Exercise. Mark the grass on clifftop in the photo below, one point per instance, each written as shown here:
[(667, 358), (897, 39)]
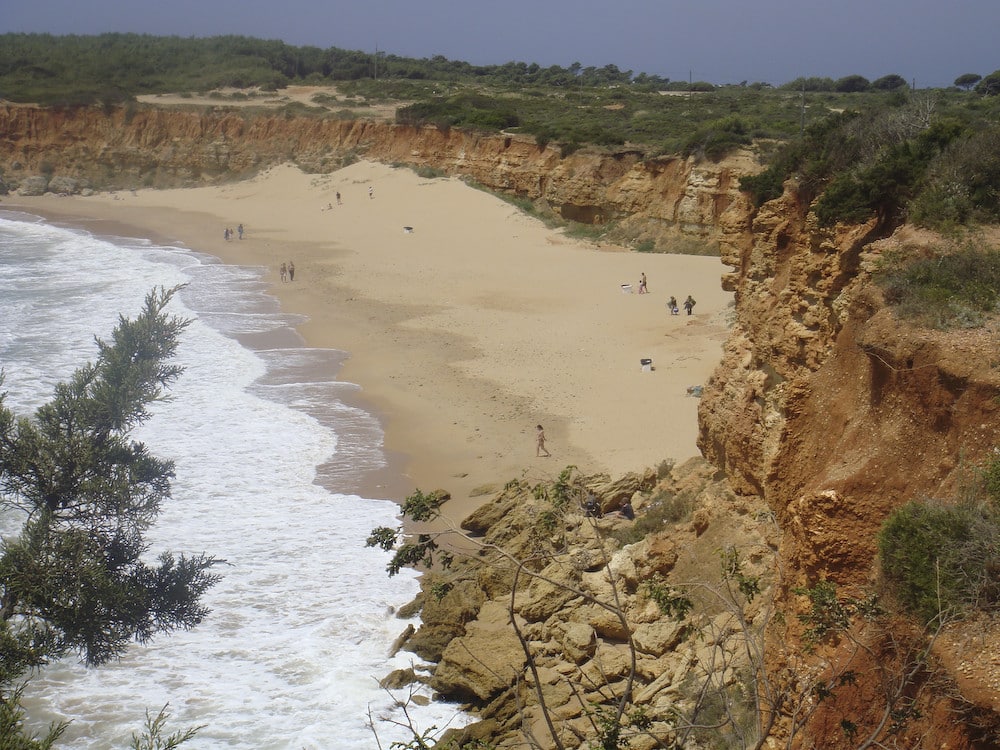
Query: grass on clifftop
[(945, 288)]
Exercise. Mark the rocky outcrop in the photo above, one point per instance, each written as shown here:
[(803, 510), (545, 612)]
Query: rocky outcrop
[(599, 615), (145, 146)]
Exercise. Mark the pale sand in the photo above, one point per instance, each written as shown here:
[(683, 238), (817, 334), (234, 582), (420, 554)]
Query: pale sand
[(466, 332)]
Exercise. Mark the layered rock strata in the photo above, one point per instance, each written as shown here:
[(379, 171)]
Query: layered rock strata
[(152, 147)]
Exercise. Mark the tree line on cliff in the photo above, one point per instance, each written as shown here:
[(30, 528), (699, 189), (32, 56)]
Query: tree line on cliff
[(572, 106), (83, 69), (924, 158)]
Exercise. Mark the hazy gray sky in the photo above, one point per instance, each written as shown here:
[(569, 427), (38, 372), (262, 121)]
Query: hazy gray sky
[(929, 42)]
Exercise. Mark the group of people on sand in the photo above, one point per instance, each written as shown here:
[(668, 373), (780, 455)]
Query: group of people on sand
[(329, 206), (287, 271), (689, 303), (228, 234)]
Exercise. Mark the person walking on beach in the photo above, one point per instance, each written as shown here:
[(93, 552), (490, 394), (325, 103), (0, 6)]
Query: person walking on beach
[(239, 231), (642, 284), (689, 304), (371, 192), (338, 197), (284, 272), (672, 305), (226, 234), (291, 271), (540, 449)]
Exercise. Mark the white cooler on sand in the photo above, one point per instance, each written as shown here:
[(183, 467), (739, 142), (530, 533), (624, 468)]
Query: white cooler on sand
[(647, 365)]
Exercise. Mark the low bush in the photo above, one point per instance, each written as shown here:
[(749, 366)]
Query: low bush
[(961, 183), (428, 172), (716, 139), (664, 508), (589, 232), (942, 559), (945, 288)]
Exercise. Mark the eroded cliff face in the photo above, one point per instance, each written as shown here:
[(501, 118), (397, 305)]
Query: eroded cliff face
[(826, 404), (156, 147), (836, 412)]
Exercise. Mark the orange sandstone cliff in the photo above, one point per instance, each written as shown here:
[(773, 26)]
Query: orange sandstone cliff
[(836, 412), (155, 147), (824, 405)]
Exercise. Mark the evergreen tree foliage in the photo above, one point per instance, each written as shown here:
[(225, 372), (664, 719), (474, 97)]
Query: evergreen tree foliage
[(75, 579)]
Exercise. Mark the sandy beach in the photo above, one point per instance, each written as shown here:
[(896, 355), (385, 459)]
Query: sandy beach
[(467, 322)]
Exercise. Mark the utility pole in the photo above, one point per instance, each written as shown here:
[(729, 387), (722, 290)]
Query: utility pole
[(802, 111)]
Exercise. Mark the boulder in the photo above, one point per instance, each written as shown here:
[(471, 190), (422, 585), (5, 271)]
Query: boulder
[(612, 494), (430, 641), (483, 662), (655, 555), (604, 622), (657, 638), (64, 185), (473, 735), (578, 640), (35, 185), (483, 518), (612, 661), (543, 598), (398, 678)]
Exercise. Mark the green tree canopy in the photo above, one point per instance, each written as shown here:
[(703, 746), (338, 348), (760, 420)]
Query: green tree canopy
[(851, 84), (989, 85), (968, 80), (891, 82), (74, 579)]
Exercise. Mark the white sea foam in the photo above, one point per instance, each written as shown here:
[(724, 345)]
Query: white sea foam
[(302, 619)]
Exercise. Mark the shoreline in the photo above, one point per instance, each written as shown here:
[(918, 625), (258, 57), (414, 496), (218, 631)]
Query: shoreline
[(464, 331)]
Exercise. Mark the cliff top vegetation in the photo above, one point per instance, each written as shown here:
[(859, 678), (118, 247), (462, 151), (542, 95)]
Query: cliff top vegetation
[(573, 105)]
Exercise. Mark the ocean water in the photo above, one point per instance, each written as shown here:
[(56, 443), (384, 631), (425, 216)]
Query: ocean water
[(301, 621)]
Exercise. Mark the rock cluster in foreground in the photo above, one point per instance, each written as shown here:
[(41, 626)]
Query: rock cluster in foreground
[(614, 624)]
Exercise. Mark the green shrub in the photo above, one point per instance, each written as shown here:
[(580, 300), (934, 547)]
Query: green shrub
[(881, 188), (990, 475), (429, 172), (827, 613), (945, 288), (664, 468), (580, 231), (664, 508), (716, 139), (460, 110), (942, 559), (961, 183), (764, 186), (565, 149)]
